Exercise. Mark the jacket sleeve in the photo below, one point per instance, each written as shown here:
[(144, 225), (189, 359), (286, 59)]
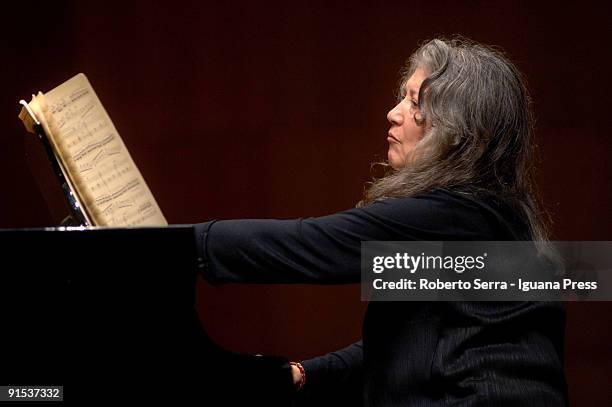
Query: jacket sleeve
[(335, 378), (322, 250), (341, 366)]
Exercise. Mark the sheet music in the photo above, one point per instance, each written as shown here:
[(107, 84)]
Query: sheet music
[(104, 174)]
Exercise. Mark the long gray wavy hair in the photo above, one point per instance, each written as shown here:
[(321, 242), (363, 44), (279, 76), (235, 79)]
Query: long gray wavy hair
[(479, 139)]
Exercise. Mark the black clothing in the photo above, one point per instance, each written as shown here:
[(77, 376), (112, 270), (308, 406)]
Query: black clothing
[(414, 353)]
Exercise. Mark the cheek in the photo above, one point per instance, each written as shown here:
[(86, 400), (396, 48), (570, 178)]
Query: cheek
[(414, 132)]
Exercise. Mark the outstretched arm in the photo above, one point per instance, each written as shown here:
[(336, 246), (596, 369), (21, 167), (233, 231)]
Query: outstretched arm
[(323, 250)]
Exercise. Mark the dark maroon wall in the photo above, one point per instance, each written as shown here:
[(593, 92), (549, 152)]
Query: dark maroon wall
[(237, 111)]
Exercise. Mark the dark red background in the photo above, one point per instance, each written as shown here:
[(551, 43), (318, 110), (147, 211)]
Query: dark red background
[(276, 110)]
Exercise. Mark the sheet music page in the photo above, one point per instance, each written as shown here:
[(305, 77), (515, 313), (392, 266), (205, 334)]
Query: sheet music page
[(103, 172)]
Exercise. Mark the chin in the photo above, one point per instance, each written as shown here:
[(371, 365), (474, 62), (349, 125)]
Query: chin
[(393, 161)]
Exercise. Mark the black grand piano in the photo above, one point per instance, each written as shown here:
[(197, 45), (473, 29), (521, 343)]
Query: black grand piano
[(109, 314)]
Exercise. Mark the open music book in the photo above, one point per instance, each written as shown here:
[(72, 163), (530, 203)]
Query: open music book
[(91, 155)]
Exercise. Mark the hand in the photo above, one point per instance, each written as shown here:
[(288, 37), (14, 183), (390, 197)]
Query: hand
[(298, 374)]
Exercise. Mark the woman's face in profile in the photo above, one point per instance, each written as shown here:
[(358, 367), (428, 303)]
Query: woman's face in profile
[(404, 132)]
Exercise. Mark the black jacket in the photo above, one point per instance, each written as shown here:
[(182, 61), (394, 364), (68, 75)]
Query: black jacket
[(414, 353)]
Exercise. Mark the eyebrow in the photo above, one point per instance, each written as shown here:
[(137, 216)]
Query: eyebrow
[(411, 91)]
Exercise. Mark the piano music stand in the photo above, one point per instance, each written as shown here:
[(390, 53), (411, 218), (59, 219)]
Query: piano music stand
[(77, 215)]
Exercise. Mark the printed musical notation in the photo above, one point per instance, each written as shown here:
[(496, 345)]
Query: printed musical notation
[(104, 174)]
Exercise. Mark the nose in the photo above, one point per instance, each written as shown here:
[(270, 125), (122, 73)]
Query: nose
[(394, 116)]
